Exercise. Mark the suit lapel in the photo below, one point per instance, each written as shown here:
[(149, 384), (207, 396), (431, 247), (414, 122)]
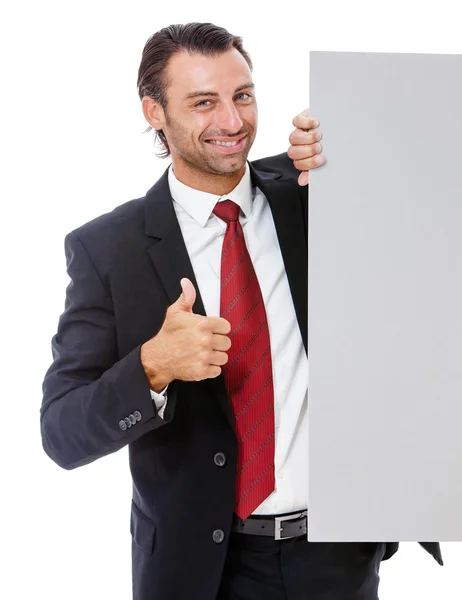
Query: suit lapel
[(168, 253), (171, 261)]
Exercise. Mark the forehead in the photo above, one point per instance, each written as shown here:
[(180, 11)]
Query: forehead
[(223, 73)]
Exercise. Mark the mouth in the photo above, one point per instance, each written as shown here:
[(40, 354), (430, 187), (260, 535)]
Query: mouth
[(227, 145)]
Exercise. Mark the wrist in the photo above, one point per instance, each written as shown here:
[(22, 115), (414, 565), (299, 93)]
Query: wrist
[(158, 386), (155, 370)]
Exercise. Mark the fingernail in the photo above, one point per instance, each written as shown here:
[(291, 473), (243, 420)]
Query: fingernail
[(320, 160)]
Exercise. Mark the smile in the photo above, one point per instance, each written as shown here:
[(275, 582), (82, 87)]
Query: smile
[(223, 143), (227, 146)]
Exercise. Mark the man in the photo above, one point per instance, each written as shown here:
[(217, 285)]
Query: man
[(208, 388)]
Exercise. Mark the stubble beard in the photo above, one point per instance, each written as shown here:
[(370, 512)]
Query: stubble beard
[(193, 154)]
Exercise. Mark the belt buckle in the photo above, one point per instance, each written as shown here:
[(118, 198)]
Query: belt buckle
[(278, 521)]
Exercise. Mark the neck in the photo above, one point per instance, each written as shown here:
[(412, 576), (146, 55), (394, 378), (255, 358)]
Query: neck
[(207, 182)]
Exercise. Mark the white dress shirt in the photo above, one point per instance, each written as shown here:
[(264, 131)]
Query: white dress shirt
[(203, 233)]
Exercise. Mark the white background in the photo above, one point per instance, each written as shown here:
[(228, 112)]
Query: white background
[(71, 149)]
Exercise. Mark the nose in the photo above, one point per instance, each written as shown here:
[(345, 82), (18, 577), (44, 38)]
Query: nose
[(228, 118)]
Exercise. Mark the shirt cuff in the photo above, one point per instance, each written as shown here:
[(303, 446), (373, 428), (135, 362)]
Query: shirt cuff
[(160, 400)]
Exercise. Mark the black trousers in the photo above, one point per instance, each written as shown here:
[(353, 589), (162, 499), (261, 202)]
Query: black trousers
[(262, 568)]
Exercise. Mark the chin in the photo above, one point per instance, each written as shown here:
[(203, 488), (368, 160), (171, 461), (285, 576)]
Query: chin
[(230, 169), (232, 163)]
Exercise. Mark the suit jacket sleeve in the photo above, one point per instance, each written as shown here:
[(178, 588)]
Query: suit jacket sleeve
[(90, 397)]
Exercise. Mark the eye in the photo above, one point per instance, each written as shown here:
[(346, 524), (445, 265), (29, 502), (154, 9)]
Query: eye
[(244, 94), (201, 103)]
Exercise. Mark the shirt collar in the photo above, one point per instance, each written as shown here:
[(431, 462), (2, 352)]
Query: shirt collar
[(200, 204)]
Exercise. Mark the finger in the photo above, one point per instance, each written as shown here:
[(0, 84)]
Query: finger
[(303, 178), (219, 325), (301, 152), (218, 358), (298, 136), (303, 122), (304, 113), (213, 372), (309, 163), (221, 342)]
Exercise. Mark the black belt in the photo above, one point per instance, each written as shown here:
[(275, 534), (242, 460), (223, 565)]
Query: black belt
[(279, 527)]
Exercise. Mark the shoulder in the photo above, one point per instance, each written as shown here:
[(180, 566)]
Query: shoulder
[(130, 212), (278, 163), (105, 236)]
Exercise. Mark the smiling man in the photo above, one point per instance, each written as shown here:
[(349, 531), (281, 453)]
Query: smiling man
[(185, 337), (209, 119)]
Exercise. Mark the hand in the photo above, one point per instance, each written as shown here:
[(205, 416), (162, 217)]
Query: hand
[(305, 148), (189, 347)]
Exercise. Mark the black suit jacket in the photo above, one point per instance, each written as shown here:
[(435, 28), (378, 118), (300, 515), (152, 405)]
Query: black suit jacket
[(125, 269)]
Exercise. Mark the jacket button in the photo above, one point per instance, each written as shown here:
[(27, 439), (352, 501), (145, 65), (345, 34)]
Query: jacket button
[(128, 422), (132, 419), (219, 459), (122, 425), (137, 415), (218, 536)]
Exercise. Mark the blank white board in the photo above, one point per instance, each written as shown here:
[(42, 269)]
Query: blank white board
[(385, 299)]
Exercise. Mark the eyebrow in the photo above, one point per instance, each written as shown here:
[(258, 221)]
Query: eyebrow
[(214, 94)]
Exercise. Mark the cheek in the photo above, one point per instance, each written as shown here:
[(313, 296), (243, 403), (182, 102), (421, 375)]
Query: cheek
[(202, 127), (187, 126), (250, 114)]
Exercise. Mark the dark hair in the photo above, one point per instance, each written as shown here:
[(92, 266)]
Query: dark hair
[(202, 38)]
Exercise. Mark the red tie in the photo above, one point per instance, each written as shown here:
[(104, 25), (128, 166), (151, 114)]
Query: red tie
[(248, 373)]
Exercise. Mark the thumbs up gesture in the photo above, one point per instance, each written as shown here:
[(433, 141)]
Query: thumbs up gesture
[(189, 347)]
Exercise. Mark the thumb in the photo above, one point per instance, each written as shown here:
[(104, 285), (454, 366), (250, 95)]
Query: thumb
[(188, 295), (303, 178)]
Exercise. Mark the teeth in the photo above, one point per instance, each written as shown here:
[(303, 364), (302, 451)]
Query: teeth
[(223, 143)]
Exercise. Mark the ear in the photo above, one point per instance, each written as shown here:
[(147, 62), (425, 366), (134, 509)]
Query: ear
[(153, 112)]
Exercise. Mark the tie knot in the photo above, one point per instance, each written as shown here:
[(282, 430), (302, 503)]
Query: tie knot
[(227, 210)]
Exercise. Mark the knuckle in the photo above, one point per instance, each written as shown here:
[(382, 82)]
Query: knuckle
[(296, 152), (306, 164), (201, 343), (296, 136), (203, 356), (205, 340), (312, 163), (202, 325)]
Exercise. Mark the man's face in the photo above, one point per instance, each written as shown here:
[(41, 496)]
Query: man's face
[(210, 100)]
